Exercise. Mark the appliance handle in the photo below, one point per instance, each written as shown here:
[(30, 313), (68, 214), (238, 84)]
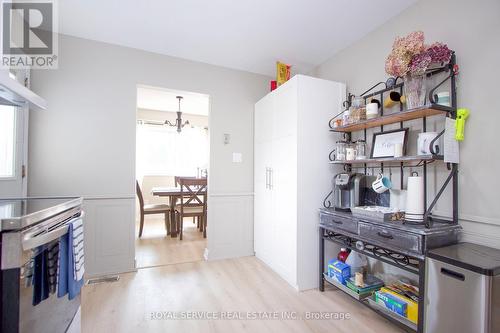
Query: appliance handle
[(452, 274), (32, 242)]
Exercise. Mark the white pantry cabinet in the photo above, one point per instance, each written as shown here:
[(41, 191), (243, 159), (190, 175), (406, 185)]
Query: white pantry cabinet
[(292, 174)]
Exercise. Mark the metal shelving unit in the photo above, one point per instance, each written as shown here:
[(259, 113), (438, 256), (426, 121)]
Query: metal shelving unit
[(430, 109), (384, 252)]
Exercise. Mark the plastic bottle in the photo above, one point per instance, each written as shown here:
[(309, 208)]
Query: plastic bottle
[(343, 254), (358, 262)]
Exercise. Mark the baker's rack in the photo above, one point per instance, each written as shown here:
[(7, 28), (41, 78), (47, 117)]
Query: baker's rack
[(429, 109)]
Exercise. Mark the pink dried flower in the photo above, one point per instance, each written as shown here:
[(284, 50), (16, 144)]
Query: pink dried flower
[(439, 53), (419, 64), (403, 50)]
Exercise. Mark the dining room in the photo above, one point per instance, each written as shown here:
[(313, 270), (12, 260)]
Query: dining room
[(172, 158)]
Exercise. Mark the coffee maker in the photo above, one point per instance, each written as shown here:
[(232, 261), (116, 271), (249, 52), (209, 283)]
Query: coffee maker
[(351, 190)]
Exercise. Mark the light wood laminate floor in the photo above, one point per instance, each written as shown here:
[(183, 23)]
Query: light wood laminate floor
[(243, 284), (155, 248)]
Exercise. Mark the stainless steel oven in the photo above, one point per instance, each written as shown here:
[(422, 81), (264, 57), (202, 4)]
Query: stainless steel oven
[(27, 225)]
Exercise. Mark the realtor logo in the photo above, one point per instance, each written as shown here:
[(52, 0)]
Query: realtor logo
[(29, 36)]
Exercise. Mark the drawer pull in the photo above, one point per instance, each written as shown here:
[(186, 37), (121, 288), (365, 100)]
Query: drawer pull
[(452, 274), (337, 222), (388, 236)]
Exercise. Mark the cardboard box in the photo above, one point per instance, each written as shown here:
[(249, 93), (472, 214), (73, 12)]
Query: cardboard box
[(339, 271)]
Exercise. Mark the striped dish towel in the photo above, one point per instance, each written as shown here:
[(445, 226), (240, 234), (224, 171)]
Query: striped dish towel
[(76, 247), (53, 264)]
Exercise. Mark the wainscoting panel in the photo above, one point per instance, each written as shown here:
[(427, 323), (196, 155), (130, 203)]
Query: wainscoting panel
[(109, 236), (230, 225)]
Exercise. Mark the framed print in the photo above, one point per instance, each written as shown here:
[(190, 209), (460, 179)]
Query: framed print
[(383, 142)]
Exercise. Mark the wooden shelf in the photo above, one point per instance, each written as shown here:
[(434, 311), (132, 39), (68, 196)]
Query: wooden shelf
[(402, 159), (425, 111)]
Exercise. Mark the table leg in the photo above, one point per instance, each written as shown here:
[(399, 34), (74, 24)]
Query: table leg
[(173, 225), (321, 263)]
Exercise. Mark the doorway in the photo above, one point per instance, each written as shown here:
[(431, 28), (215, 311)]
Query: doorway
[(172, 143)]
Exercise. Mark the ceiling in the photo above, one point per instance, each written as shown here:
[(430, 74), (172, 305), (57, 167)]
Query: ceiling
[(159, 99), (248, 35)]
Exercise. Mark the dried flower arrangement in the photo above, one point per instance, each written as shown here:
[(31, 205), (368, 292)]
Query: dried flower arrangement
[(410, 56)]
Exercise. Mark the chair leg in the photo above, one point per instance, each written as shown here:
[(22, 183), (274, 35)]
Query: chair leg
[(194, 220), (197, 222), (200, 223), (141, 225), (204, 219), (167, 222), (181, 227)]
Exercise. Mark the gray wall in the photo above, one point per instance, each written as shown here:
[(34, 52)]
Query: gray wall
[(472, 29), (84, 144)]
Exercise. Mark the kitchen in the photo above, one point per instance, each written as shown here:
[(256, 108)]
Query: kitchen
[(84, 147)]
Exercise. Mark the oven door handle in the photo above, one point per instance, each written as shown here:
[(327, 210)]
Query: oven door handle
[(29, 243)]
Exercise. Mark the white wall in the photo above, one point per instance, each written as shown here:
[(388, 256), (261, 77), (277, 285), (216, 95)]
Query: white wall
[(472, 29), (84, 144)]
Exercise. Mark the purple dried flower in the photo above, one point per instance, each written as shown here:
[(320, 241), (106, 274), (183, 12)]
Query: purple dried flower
[(439, 53)]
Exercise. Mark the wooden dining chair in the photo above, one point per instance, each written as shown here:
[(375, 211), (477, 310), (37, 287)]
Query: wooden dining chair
[(193, 202), (151, 209)]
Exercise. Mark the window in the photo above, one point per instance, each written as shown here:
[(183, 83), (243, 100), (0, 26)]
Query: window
[(164, 152), (7, 141)]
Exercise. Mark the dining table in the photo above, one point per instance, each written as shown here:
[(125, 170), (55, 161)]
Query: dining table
[(173, 193)]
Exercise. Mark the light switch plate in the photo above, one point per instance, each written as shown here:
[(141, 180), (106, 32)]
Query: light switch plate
[(237, 157)]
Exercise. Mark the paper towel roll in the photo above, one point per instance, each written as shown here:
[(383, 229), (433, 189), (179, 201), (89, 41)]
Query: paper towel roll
[(415, 199)]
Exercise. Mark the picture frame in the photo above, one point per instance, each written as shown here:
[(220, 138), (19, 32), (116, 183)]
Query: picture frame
[(383, 142)]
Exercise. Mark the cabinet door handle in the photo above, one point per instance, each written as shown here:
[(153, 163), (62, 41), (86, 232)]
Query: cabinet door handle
[(337, 222), (271, 178), (385, 235), (267, 178)]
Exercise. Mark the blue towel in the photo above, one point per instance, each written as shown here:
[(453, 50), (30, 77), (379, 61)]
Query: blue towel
[(40, 276), (62, 271), (67, 284)]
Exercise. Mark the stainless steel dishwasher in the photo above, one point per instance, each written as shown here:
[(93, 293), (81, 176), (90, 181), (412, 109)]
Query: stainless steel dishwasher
[(462, 289)]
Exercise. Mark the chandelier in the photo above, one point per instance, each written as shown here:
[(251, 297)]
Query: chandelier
[(178, 122)]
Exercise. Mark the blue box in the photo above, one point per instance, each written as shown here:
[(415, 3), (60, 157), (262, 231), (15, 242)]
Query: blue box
[(339, 271), (391, 302)]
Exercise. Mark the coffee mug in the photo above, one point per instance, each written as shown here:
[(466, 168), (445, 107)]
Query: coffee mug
[(393, 98), (424, 143), (381, 184), (350, 154)]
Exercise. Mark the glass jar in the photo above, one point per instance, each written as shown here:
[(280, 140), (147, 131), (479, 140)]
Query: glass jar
[(360, 149), (340, 150)]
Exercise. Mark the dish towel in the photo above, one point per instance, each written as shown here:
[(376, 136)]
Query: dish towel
[(40, 276), (52, 264), (76, 237), (67, 279)]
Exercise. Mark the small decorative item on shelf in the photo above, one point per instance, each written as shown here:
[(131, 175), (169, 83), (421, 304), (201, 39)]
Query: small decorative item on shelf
[(282, 73), (383, 142), (410, 59)]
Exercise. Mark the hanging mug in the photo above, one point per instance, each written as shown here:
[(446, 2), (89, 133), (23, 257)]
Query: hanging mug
[(381, 184)]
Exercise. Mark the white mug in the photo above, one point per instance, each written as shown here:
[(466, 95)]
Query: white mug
[(371, 110), (424, 142), (398, 149), (350, 154), (381, 184)]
